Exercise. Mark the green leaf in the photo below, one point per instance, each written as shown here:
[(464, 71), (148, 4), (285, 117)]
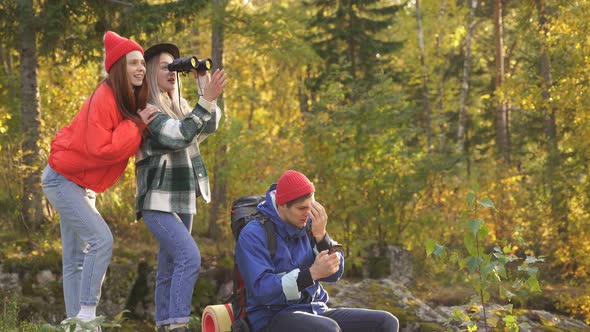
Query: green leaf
[(440, 251), (506, 294), (519, 239), (532, 271), (487, 269), (469, 242), (486, 202), (429, 244), (501, 270), (517, 283), (501, 258), (474, 225), (473, 263), (434, 248), (532, 260), (470, 199), (534, 285), (483, 232), (121, 315), (456, 258)]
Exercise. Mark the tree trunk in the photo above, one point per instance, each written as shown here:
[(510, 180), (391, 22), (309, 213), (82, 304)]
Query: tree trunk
[(219, 191), (351, 50), (502, 138), (442, 141), (3, 61), (426, 99), (31, 200), (302, 96), (559, 211), (461, 128), (252, 107)]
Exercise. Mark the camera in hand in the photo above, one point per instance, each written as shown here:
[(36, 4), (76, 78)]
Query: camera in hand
[(185, 65)]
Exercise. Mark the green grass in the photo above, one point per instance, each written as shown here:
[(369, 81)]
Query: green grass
[(9, 321)]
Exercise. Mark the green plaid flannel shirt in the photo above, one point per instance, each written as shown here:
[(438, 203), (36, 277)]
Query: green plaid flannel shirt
[(169, 169)]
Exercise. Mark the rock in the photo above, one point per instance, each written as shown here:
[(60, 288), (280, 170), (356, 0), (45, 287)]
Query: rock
[(45, 277), (224, 292), (140, 301), (9, 282), (422, 310), (390, 261), (116, 289), (547, 318), (380, 293)]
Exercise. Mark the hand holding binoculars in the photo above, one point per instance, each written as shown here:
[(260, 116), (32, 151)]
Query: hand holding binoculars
[(185, 65)]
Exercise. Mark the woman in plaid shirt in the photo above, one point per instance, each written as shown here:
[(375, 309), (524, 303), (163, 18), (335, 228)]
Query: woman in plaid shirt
[(170, 175)]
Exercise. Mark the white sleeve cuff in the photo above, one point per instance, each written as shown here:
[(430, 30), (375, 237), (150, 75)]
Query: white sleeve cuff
[(289, 283), (206, 104)]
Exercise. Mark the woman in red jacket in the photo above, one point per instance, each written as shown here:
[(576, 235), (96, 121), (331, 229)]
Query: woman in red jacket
[(88, 156)]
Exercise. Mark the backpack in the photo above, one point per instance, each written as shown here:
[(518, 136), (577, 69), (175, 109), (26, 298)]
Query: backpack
[(243, 210)]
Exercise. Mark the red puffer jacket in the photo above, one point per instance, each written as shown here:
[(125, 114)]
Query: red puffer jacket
[(93, 150)]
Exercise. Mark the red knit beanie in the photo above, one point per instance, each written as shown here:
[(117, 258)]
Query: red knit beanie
[(292, 185), (116, 47)]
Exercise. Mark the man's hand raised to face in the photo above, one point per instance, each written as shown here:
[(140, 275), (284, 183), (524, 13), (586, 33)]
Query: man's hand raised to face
[(319, 219)]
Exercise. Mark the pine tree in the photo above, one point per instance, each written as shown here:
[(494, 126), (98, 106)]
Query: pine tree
[(350, 34)]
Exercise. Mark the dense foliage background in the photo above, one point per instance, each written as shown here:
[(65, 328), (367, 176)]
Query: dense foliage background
[(394, 109)]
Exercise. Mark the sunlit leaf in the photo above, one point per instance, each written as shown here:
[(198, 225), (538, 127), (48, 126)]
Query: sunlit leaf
[(533, 284), (505, 293), (486, 202), (429, 245)]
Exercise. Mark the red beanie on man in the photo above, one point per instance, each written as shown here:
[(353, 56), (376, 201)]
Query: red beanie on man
[(116, 47), (292, 185)]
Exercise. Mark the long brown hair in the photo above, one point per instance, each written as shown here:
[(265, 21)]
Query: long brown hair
[(128, 98)]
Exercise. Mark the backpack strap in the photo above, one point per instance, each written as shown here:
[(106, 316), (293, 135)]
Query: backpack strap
[(271, 236)]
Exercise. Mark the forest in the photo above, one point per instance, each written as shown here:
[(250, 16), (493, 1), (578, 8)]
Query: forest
[(450, 128)]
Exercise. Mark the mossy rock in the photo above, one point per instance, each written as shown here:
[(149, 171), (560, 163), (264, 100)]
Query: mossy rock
[(378, 267), (431, 327), (553, 329), (117, 288), (32, 264)]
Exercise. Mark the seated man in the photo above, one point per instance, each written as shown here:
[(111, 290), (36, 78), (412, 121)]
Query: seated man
[(284, 292)]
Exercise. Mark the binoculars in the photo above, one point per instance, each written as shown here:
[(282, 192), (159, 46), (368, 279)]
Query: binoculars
[(185, 65)]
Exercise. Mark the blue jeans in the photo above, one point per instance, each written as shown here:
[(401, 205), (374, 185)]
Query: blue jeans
[(334, 320), (179, 262), (86, 240)]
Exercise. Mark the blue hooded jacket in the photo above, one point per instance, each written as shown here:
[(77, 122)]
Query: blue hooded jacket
[(271, 283)]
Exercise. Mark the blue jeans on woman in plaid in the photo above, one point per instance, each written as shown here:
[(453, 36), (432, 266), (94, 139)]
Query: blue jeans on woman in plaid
[(179, 262)]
